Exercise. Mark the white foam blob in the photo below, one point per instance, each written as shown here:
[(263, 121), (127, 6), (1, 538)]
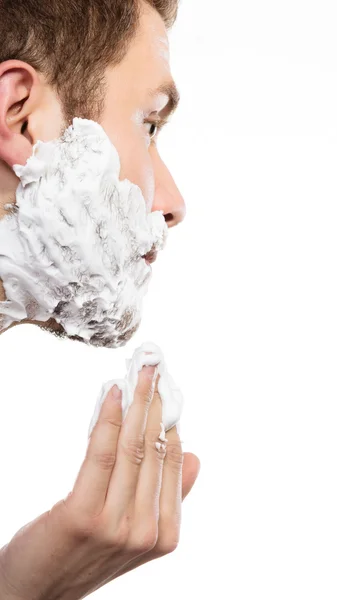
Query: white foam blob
[(71, 249), (171, 396)]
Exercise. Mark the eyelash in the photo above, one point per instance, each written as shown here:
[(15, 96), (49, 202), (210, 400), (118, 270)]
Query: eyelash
[(160, 123)]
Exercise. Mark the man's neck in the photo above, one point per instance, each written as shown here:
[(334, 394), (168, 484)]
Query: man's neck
[(2, 292), (8, 185), (2, 298)]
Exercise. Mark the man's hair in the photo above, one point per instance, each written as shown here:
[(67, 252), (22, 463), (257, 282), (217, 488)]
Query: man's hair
[(72, 42)]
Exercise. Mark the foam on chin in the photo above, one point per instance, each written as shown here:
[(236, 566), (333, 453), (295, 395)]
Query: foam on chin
[(72, 247)]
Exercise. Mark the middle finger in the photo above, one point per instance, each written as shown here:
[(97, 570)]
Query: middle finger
[(130, 450), (150, 476)]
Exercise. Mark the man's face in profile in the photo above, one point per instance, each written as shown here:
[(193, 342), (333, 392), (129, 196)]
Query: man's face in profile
[(140, 95)]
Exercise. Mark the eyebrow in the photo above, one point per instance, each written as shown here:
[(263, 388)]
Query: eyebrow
[(170, 90)]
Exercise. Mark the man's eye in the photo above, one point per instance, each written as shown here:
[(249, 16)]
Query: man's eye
[(154, 127)]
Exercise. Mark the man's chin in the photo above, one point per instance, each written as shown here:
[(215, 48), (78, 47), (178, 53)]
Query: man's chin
[(98, 340)]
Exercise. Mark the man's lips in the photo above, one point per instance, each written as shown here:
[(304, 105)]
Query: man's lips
[(151, 256)]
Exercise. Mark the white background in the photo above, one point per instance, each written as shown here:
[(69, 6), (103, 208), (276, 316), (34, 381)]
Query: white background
[(243, 303)]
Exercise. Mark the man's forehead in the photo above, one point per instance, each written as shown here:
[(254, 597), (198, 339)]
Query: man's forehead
[(154, 70), (166, 86), (145, 69)]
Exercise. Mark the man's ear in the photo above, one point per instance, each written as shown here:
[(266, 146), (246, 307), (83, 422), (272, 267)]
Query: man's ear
[(20, 91)]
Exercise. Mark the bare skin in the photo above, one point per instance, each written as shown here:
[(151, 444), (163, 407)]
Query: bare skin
[(128, 117), (124, 509)]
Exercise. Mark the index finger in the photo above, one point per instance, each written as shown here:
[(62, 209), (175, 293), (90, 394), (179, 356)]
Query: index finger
[(92, 482)]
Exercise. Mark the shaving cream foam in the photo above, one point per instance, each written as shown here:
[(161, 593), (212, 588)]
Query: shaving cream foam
[(71, 248)]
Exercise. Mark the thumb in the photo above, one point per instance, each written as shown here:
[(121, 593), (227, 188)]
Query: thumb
[(191, 468)]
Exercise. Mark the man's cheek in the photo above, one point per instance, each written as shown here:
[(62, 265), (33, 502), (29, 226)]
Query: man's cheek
[(137, 167), (148, 186), (86, 235)]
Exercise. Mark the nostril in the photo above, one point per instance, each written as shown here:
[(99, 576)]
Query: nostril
[(169, 217), (24, 127)]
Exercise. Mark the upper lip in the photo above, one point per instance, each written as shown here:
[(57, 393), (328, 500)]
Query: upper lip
[(151, 256)]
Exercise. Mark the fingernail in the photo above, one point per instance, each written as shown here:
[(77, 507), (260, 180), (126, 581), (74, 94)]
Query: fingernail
[(116, 394), (149, 370)]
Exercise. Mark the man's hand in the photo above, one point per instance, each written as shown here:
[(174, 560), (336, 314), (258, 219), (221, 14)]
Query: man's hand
[(124, 509)]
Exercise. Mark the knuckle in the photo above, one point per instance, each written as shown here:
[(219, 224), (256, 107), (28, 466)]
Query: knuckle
[(104, 460), (72, 519), (175, 456), (84, 528), (100, 530), (78, 525), (112, 421), (113, 536), (167, 546), (134, 449), (169, 540), (122, 533), (146, 539), (151, 435), (157, 452)]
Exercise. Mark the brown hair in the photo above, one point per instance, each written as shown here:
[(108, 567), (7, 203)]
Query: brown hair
[(72, 42)]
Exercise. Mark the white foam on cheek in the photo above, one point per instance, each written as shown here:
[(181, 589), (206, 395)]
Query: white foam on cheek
[(72, 248), (171, 396)]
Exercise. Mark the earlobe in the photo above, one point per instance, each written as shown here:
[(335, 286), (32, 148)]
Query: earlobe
[(18, 81)]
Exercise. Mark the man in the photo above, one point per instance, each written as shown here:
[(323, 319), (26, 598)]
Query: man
[(129, 106), (106, 61)]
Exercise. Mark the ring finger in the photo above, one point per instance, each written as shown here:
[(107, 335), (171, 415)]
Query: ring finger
[(170, 495)]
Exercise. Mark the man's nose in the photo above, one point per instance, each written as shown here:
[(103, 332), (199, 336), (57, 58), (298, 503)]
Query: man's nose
[(167, 196)]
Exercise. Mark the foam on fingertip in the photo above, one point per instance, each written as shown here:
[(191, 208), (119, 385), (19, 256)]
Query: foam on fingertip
[(148, 354)]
